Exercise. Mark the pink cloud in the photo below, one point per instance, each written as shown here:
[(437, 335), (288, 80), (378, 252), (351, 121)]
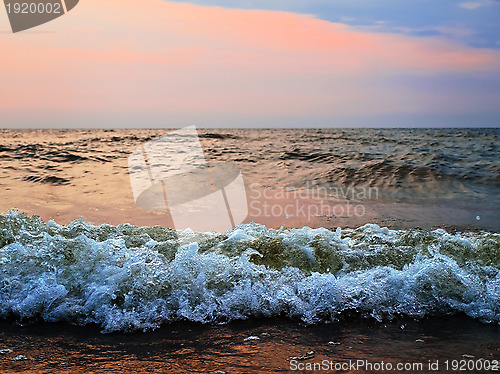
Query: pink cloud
[(170, 58)]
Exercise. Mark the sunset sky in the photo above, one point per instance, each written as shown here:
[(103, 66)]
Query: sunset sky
[(255, 63)]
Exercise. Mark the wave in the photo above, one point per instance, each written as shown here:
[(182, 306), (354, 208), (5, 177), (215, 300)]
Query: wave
[(384, 173), (49, 179), (128, 278)]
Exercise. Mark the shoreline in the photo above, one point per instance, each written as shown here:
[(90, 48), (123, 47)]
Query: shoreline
[(330, 213), (257, 346)]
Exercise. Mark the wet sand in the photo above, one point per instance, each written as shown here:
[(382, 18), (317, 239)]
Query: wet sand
[(256, 346)]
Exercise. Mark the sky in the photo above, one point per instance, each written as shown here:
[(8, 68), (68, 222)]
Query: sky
[(255, 63)]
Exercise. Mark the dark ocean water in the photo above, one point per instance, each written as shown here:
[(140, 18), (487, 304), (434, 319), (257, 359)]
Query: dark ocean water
[(401, 162)]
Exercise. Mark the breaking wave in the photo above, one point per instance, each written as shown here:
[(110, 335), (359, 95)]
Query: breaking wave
[(127, 278)]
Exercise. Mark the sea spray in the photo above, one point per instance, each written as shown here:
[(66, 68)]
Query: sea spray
[(128, 278)]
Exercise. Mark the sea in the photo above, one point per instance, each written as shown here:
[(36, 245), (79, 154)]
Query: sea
[(75, 249)]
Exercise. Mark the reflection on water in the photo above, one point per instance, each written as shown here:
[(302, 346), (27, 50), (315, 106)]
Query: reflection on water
[(191, 348), (436, 177), (465, 159)]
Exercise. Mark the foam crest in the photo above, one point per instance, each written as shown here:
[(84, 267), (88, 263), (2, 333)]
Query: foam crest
[(127, 278)]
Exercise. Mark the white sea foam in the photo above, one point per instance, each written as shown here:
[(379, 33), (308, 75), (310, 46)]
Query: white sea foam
[(126, 278)]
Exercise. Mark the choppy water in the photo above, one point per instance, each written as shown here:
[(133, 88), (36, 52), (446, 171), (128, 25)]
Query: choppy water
[(126, 278), (423, 163)]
